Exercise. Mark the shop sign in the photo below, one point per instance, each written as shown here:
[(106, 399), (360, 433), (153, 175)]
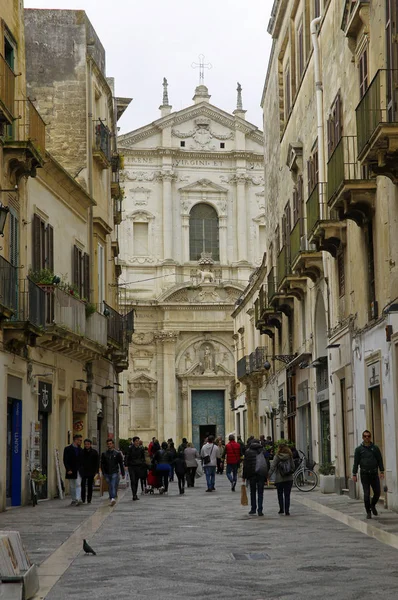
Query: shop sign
[(79, 401), (373, 372), (45, 397)]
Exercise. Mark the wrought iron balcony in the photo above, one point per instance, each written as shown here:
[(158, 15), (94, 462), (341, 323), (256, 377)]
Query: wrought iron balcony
[(242, 367), (117, 211), (7, 91), (28, 319), (252, 362), (64, 311), (323, 226), (377, 124), (102, 144), (283, 264), (116, 190), (8, 289), (261, 354), (271, 285), (351, 190), (305, 260), (25, 146), (97, 329)]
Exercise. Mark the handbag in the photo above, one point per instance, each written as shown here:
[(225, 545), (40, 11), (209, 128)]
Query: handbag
[(243, 495), (207, 458)]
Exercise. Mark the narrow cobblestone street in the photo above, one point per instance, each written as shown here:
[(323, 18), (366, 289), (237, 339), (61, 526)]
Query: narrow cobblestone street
[(195, 545)]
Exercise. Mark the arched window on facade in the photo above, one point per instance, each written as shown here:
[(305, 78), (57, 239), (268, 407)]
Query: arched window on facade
[(203, 232)]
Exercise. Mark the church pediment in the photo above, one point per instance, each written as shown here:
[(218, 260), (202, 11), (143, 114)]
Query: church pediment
[(203, 185), (142, 379)]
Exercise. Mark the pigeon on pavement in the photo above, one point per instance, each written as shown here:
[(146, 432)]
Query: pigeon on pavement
[(88, 549)]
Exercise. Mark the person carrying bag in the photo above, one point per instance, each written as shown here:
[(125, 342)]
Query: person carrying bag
[(209, 454)]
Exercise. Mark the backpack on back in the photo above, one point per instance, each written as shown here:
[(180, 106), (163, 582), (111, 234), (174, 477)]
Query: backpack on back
[(285, 468), (261, 465)]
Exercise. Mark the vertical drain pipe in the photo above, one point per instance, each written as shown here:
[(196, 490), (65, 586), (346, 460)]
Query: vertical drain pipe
[(319, 98)]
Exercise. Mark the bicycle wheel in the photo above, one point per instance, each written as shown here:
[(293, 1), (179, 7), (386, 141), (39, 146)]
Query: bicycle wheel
[(33, 494), (306, 480)]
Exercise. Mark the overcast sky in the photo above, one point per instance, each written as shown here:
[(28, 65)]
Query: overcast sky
[(148, 40)]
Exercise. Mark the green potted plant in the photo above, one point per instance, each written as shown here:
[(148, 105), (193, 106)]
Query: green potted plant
[(38, 477), (90, 309), (327, 477)]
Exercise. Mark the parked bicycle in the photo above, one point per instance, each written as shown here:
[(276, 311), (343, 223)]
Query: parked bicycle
[(304, 478)]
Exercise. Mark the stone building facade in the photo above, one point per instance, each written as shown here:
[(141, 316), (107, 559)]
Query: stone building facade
[(60, 352), (192, 232), (325, 302)]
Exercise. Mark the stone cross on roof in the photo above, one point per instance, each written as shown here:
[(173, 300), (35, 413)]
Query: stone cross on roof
[(201, 65)]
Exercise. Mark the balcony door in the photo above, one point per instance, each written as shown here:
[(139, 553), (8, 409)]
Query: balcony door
[(13, 253)]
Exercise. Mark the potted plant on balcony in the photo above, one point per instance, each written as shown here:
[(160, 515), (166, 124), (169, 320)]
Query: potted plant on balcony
[(44, 277), (327, 478), (90, 309)]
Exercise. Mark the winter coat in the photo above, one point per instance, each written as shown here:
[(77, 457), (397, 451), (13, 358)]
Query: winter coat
[(73, 457), (163, 456), (368, 458), (179, 465), (90, 462), (284, 456), (190, 455), (136, 460), (111, 461), (233, 453), (210, 450), (249, 463)]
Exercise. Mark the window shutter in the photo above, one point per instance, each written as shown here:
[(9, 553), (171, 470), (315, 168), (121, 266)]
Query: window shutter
[(86, 276), (50, 247), (75, 266), (36, 255), (288, 220), (295, 206), (337, 121)]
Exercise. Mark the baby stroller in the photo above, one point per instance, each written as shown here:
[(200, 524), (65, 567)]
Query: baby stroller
[(154, 483)]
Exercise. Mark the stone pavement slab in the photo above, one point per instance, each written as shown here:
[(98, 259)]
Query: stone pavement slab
[(183, 547)]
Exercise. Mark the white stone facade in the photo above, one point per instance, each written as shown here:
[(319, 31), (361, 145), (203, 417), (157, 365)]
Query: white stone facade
[(183, 341)]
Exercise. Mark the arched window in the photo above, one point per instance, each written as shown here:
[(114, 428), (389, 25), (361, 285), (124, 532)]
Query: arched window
[(203, 232)]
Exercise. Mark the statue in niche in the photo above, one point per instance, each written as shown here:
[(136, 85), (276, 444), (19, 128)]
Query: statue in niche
[(188, 361), (208, 359)]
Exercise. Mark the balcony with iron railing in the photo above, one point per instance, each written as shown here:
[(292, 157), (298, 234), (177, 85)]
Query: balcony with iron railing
[(283, 264), (242, 367), (25, 140), (305, 260), (29, 317), (64, 311), (377, 124), (261, 355), (97, 329), (117, 211), (8, 289), (351, 190), (252, 362), (102, 144), (7, 91), (323, 227), (271, 285)]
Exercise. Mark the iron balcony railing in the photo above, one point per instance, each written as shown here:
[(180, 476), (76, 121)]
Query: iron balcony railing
[(102, 139), (116, 328), (261, 355), (7, 89), (256, 311), (252, 362), (64, 310), (283, 264), (262, 300), (97, 328), (117, 211), (317, 208), (242, 367), (31, 303), (8, 285), (29, 126), (343, 166), (295, 240), (271, 284), (378, 105)]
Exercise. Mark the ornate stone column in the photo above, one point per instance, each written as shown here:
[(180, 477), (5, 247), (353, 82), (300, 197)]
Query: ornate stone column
[(241, 214), (168, 339), (168, 232)]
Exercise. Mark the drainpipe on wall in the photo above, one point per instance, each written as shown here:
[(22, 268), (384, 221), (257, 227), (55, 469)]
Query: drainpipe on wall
[(90, 170)]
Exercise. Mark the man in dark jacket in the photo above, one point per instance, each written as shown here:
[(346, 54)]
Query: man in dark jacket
[(73, 456), (90, 465), (136, 464), (256, 479), (111, 462), (369, 459)]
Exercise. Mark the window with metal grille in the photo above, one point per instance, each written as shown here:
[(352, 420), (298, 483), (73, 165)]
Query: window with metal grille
[(363, 73), (203, 232), (341, 273)]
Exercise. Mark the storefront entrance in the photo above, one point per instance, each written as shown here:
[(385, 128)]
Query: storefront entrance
[(14, 453)]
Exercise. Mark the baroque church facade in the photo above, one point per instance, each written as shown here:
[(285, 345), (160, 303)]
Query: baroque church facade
[(192, 233)]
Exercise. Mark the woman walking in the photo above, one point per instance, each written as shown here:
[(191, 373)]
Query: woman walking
[(256, 474), (220, 461), (180, 470), (162, 460), (190, 455), (283, 466)]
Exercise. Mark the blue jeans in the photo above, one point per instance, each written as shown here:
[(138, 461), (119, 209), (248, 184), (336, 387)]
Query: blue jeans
[(112, 480), (210, 473), (257, 486), (232, 473)]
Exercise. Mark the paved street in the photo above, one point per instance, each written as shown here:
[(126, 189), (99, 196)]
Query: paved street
[(191, 546)]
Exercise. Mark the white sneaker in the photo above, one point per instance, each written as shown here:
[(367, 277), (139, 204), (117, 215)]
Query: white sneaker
[(113, 502)]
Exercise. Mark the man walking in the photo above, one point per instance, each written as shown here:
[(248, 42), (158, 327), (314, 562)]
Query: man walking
[(73, 456), (111, 462), (232, 453), (136, 464), (209, 454), (369, 459), (90, 464)]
